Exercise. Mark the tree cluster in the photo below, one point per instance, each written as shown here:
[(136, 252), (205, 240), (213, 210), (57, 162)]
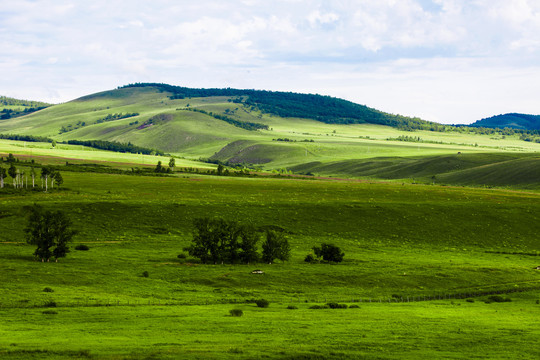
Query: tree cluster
[(326, 252), (116, 146), (50, 231), (220, 241), (246, 125)]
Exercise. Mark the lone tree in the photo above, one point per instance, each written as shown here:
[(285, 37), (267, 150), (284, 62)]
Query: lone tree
[(50, 231), (172, 163), (329, 252), (276, 246)]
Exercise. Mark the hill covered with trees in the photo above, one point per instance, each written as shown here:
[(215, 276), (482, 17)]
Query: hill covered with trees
[(326, 109), (511, 120)]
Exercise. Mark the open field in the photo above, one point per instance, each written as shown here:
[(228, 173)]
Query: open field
[(430, 231), (402, 242)]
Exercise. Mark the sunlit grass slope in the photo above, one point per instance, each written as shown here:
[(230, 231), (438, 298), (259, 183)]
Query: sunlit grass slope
[(288, 142), (400, 241)]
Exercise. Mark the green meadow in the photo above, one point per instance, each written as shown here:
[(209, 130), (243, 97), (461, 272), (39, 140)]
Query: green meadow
[(440, 237), (404, 243)]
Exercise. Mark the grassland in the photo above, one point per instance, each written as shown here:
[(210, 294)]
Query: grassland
[(402, 241), (339, 150), (420, 226)]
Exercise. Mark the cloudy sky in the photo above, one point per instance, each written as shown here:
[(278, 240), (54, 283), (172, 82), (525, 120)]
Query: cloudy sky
[(451, 61)]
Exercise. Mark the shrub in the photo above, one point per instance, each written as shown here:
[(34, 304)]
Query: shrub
[(469, 300), (48, 289), (497, 298), (333, 305), (82, 247), (236, 312), (318, 307), (49, 312), (50, 304), (329, 252), (354, 306), (145, 274), (182, 256), (537, 302), (292, 307), (262, 303), (309, 258)]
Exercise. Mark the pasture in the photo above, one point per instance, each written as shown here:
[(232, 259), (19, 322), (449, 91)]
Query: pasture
[(403, 243)]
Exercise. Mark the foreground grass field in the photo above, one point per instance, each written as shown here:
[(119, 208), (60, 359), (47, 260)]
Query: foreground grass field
[(402, 242), (441, 329)]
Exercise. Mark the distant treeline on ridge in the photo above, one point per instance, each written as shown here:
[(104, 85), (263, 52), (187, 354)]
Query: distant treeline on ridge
[(96, 144), (323, 108)]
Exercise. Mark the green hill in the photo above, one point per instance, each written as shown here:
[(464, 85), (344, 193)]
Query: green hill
[(512, 121), (10, 107), (326, 109), (273, 131)]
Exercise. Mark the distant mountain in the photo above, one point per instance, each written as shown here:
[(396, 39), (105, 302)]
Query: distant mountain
[(512, 120)]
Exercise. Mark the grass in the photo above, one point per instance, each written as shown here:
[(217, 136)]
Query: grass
[(401, 241), (441, 329), (193, 135)]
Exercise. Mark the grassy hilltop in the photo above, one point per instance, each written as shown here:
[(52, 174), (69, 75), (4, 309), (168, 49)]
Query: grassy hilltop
[(247, 127)]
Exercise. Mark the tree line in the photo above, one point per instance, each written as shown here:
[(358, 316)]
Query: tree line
[(246, 125), (48, 175)]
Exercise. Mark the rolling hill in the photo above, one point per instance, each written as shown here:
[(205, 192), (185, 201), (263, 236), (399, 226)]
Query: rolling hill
[(276, 131), (512, 121)]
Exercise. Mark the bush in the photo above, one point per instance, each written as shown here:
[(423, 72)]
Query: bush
[(329, 252), (50, 304), (49, 312), (309, 258), (182, 256), (469, 300), (48, 289), (145, 274), (82, 247), (318, 307), (497, 298), (537, 302), (262, 303), (354, 306), (292, 307), (236, 312), (333, 305)]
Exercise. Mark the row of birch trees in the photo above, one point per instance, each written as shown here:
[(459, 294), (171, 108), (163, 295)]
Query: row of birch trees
[(20, 177)]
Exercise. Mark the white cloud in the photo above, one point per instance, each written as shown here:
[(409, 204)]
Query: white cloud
[(415, 57)]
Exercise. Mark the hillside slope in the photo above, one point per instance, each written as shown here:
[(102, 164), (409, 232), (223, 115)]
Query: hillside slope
[(255, 129), (512, 120)]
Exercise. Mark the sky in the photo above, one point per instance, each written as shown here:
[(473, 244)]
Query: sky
[(449, 61)]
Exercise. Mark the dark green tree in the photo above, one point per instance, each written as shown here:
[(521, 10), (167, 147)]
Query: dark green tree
[(47, 230), (57, 177), (12, 171), (329, 252), (208, 239), (249, 237), (220, 169), (221, 241), (275, 246), (159, 167), (172, 163)]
